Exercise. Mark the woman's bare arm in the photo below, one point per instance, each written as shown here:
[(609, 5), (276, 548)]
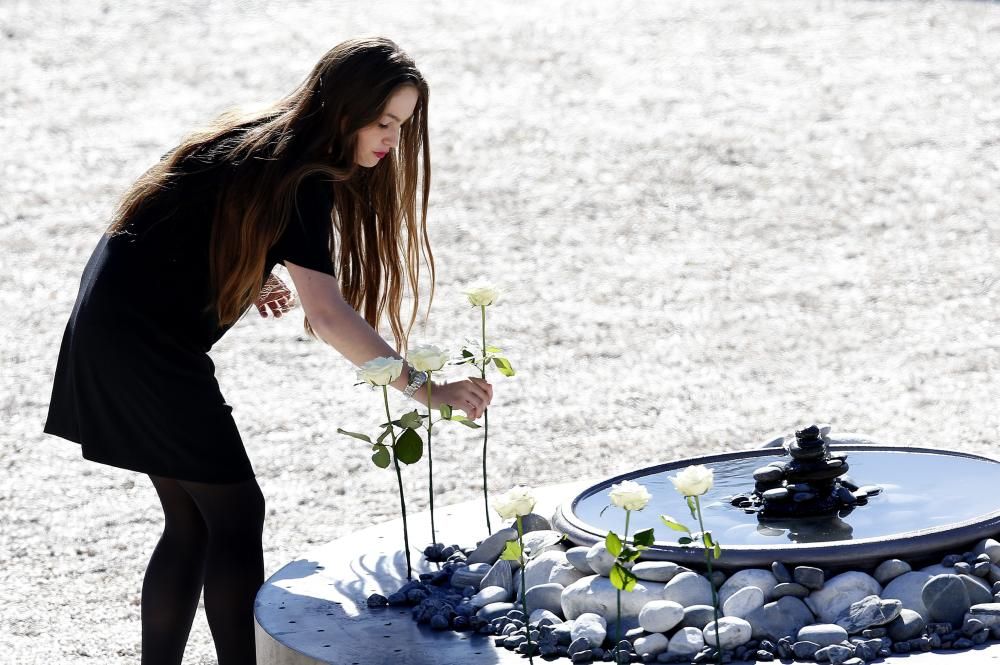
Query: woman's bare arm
[(335, 322)]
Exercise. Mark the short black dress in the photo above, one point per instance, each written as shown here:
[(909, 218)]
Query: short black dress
[(134, 384)]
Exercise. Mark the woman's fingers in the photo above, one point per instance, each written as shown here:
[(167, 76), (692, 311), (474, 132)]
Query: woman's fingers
[(482, 388)]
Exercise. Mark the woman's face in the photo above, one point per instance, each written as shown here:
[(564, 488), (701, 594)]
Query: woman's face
[(377, 139)]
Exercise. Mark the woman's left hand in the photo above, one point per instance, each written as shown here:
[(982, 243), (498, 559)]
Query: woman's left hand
[(275, 298)]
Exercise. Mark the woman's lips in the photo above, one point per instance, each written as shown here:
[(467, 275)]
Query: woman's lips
[(380, 155)]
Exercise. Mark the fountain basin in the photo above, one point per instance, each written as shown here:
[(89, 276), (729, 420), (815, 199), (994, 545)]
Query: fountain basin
[(933, 502)]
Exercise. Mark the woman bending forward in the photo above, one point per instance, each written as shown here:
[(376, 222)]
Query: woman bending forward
[(189, 250)]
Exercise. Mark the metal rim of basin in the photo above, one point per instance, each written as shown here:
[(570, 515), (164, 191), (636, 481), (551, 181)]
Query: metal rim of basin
[(921, 544)]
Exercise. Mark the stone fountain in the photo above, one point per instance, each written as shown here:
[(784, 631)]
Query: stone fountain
[(822, 560), (794, 501)]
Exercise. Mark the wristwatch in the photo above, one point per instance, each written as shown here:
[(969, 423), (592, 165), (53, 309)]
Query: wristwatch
[(415, 378)]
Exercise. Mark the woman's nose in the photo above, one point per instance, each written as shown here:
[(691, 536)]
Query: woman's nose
[(392, 140)]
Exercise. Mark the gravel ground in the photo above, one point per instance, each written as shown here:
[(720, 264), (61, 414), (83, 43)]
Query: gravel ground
[(713, 220)]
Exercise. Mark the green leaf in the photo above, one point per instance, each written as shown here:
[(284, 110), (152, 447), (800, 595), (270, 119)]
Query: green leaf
[(467, 354), (446, 411), (504, 366), (692, 506), (673, 524), (493, 349), (511, 551), (465, 421), (381, 456), (622, 579), (643, 539), (363, 437), (706, 538), (684, 540), (409, 447), (384, 434), (718, 550), (613, 543), (629, 554), (411, 420)]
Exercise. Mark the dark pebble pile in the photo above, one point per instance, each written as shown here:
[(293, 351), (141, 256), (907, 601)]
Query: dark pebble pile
[(435, 602)]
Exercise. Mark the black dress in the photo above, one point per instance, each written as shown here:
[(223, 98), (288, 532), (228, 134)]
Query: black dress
[(134, 384)]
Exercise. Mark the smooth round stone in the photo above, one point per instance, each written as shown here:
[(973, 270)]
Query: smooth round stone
[(596, 594), (743, 602), (785, 616), (471, 575), (732, 632), (946, 599), (546, 597), (600, 559), (535, 522), (988, 613), (908, 589), (591, 627), (656, 571), (563, 633), (698, 616), (578, 646), (777, 494), (659, 616), (767, 474), (537, 543), (809, 577), (889, 570), (490, 549), (651, 645), (501, 575), (990, 547), (686, 642), (549, 567), (839, 592), (488, 595), (835, 653), (906, 626), (790, 589), (577, 557), (542, 614), (979, 591), (781, 573), (749, 577), (494, 611), (688, 588), (806, 451), (803, 649), (823, 634), (868, 612)]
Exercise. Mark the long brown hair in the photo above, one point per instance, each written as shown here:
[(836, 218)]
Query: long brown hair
[(314, 130)]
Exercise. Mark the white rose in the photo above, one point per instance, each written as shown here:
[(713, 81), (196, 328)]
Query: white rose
[(517, 501), (426, 358), (630, 495), (693, 481), (482, 295), (381, 371)]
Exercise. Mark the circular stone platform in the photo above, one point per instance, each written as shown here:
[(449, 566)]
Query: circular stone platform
[(314, 610)]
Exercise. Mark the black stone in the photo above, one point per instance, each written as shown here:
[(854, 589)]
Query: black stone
[(781, 572)]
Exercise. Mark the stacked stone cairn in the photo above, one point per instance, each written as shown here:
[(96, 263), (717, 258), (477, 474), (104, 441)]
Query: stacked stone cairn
[(811, 484), (785, 612)]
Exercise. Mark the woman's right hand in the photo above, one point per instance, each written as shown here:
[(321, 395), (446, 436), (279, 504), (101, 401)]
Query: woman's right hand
[(471, 395)]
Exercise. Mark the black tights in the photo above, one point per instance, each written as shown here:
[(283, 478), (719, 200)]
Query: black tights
[(211, 538)]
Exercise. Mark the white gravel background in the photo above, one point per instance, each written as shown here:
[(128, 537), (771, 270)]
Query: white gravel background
[(714, 220)]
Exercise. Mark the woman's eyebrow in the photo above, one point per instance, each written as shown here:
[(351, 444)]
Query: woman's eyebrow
[(396, 118)]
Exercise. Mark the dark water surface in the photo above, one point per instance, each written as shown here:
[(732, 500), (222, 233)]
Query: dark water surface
[(921, 490)]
